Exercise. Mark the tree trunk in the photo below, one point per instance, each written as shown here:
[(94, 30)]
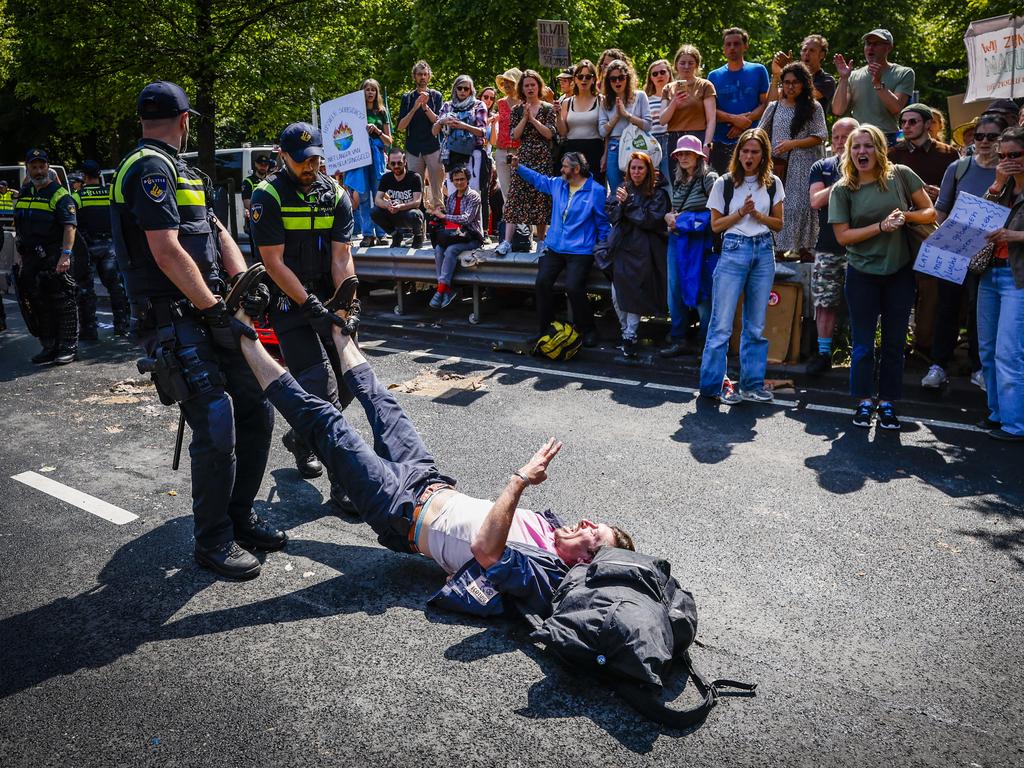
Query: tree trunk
[(205, 79)]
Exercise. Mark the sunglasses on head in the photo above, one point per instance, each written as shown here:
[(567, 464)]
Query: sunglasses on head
[(986, 136), (585, 78), (660, 73), (616, 78), (1008, 155)]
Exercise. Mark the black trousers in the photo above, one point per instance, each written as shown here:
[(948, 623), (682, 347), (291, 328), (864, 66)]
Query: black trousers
[(389, 222), (231, 424), (576, 267), (52, 297), (947, 321)]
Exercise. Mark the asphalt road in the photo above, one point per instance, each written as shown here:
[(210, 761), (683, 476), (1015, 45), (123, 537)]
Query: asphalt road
[(869, 583)]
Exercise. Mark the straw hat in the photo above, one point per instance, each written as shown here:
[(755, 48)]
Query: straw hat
[(960, 130), (510, 76)]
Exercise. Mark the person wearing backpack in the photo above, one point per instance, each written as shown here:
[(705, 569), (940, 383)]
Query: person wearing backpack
[(973, 174), (499, 556), (691, 257), (746, 207)]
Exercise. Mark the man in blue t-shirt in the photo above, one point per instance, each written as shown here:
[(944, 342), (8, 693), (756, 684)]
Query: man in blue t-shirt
[(829, 256), (742, 90)]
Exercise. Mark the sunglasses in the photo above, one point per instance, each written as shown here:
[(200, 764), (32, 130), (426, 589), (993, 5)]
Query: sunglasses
[(986, 136), (462, 88), (660, 73), (616, 78), (1007, 155), (584, 78), (791, 82), (399, 164), (912, 121)]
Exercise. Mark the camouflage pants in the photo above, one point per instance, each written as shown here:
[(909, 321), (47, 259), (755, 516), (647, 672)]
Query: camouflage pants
[(827, 279)]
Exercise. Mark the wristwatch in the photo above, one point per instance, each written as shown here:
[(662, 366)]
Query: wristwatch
[(65, 252)]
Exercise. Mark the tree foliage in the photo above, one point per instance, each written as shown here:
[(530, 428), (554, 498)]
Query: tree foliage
[(74, 68)]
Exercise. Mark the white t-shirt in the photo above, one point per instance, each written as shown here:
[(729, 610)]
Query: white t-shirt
[(451, 533), (748, 225)]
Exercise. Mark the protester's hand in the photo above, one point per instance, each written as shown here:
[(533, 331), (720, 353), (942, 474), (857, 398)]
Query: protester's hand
[(876, 68), (621, 194), (734, 133), (742, 122), (620, 107), (513, 161), (604, 165), (843, 67), (893, 221), (933, 191), (1004, 235), (536, 469), (779, 62), (681, 97), (749, 207), (1009, 167), (670, 220), (782, 147), (421, 100)]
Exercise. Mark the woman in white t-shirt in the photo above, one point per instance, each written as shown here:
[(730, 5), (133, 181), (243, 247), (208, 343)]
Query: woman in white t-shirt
[(746, 206)]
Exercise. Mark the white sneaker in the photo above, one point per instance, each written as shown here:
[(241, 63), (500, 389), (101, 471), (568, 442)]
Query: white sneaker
[(504, 248), (978, 380), (935, 377)]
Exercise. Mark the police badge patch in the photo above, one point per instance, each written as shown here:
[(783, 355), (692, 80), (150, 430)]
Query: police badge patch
[(256, 212), (155, 185)]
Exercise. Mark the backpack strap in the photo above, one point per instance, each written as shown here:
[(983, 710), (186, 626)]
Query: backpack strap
[(647, 700), (730, 187)]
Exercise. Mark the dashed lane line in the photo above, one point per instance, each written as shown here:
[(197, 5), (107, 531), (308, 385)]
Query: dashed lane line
[(76, 498), (790, 404)]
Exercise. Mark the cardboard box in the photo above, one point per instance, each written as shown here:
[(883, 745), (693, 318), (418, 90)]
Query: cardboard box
[(782, 325)]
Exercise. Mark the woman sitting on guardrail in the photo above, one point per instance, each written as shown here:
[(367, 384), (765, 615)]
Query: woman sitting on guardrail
[(461, 230)]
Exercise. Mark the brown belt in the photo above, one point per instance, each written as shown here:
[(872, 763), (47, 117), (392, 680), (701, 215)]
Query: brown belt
[(429, 491)]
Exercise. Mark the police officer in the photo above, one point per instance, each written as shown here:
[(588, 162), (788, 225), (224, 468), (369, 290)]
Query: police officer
[(261, 164), (175, 255), (44, 225), (301, 223), (76, 180), (93, 201)]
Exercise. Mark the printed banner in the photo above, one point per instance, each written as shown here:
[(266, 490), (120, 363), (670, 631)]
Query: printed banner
[(343, 124), (995, 58), (553, 43), (948, 250)]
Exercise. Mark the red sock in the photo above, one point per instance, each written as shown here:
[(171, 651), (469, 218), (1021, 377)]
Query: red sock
[(442, 288)]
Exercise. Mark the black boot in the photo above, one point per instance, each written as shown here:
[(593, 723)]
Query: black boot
[(256, 533), (229, 560), (306, 462), (47, 356)]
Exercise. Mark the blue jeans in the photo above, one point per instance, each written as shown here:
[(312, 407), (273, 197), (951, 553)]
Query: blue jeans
[(1001, 343), (665, 149), (613, 174), (446, 260), (745, 268), (383, 483), (870, 297)]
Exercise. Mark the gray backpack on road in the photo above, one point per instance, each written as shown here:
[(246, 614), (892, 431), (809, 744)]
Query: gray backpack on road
[(622, 616)]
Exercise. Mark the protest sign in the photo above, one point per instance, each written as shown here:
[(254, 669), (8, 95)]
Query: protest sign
[(343, 124), (995, 58), (948, 250), (553, 43)]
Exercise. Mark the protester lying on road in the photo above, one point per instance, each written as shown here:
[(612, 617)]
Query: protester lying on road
[(497, 555)]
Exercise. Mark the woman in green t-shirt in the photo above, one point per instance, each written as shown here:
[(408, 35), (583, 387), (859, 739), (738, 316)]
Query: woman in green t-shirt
[(868, 208)]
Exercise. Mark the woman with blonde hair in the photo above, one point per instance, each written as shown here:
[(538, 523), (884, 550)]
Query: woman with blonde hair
[(868, 209), (688, 103), (658, 74), (746, 207), (621, 105)]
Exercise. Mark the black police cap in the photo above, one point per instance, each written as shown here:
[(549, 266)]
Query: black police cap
[(91, 167), (262, 157), (161, 100), (302, 141)]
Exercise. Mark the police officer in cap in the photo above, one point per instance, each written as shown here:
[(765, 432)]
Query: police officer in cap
[(261, 164), (44, 225), (301, 222), (93, 201), (175, 257)]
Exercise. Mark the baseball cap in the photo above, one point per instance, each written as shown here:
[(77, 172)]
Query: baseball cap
[(36, 154), (91, 167), (566, 74), (161, 100), (1003, 107), (883, 34), (262, 157), (301, 141)]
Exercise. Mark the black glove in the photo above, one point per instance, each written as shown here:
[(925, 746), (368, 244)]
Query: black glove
[(256, 301), (350, 324), (225, 331), (320, 318)]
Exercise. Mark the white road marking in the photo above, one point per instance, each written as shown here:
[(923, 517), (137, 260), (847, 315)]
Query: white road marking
[(76, 498), (790, 404)]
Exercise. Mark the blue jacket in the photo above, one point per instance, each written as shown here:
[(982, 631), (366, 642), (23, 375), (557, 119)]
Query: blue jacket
[(583, 224), (523, 581), (690, 244)]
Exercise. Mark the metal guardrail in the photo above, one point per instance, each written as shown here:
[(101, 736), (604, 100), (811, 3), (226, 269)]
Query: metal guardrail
[(405, 265)]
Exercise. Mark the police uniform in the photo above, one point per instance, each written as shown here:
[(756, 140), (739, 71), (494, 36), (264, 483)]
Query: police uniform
[(231, 421), (47, 297), (93, 202), (306, 224)]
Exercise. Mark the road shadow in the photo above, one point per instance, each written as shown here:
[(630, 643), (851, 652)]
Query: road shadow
[(1009, 541), (713, 429)]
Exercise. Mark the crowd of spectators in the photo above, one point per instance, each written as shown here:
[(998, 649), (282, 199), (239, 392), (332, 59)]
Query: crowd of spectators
[(739, 173)]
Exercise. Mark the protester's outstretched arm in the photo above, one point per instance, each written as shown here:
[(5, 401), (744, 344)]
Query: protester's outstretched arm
[(489, 543)]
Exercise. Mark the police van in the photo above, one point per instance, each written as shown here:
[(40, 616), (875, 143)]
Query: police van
[(232, 166)]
